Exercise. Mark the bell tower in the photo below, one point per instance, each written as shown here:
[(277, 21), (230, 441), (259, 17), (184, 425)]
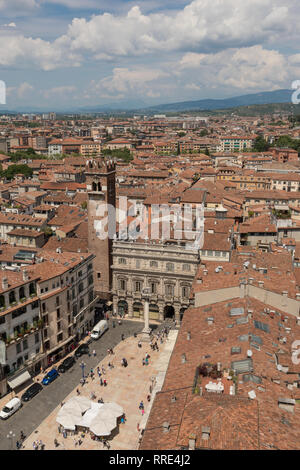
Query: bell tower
[(101, 179)]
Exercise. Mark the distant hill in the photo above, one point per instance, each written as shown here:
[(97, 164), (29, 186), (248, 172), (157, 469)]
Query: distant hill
[(138, 106), (268, 97)]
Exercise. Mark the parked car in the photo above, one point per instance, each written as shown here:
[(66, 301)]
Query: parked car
[(10, 408), (31, 392), (66, 364), (52, 375), (83, 349)]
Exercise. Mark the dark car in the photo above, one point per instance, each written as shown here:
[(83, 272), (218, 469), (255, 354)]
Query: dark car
[(66, 364), (83, 349), (31, 392)]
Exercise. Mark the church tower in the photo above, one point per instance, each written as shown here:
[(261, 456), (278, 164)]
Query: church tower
[(101, 178)]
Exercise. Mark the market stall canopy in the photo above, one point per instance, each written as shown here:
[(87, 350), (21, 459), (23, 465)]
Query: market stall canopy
[(14, 382)]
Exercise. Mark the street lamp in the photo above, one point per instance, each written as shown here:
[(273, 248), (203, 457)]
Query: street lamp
[(11, 437)]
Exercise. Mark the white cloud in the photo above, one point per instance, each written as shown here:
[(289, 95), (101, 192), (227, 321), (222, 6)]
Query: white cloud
[(59, 92), (17, 4), (129, 82), (244, 69), (202, 26)]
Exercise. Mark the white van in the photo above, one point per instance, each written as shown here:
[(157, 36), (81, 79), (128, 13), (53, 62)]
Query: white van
[(99, 329), (10, 408)]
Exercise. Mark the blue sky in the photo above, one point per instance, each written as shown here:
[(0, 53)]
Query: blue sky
[(58, 54)]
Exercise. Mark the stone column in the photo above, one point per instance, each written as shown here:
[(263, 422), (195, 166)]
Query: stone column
[(130, 308), (147, 330)]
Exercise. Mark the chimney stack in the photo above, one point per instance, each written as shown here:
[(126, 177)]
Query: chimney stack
[(4, 283)]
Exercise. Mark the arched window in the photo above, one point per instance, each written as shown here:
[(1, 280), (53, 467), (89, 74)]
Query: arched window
[(31, 288), (12, 296), (21, 292)]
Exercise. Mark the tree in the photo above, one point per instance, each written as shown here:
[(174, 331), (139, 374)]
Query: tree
[(16, 169), (120, 154), (260, 145)]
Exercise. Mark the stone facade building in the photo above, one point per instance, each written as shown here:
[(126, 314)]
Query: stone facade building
[(167, 269)]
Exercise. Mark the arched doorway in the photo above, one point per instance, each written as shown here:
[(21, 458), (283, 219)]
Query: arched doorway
[(169, 312), (138, 309), (153, 312), (122, 307)]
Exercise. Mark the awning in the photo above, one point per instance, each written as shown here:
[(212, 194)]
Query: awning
[(16, 381)]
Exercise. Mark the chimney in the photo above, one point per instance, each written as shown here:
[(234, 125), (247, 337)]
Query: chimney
[(192, 441), (166, 426), (4, 283), (205, 432)]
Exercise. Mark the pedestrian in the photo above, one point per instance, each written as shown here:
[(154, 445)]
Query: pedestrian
[(111, 351), (143, 411), (104, 382), (22, 436), (141, 405), (18, 445), (41, 445), (122, 337), (94, 353), (138, 427), (56, 443), (139, 344), (103, 370), (101, 382), (78, 391), (98, 372), (148, 397), (106, 444), (122, 420), (144, 362), (34, 445), (93, 396)]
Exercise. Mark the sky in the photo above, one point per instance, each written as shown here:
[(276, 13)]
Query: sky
[(62, 54)]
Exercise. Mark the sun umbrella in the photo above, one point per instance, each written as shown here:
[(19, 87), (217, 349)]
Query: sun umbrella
[(102, 428), (78, 403), (66, 420), (115, 409)]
